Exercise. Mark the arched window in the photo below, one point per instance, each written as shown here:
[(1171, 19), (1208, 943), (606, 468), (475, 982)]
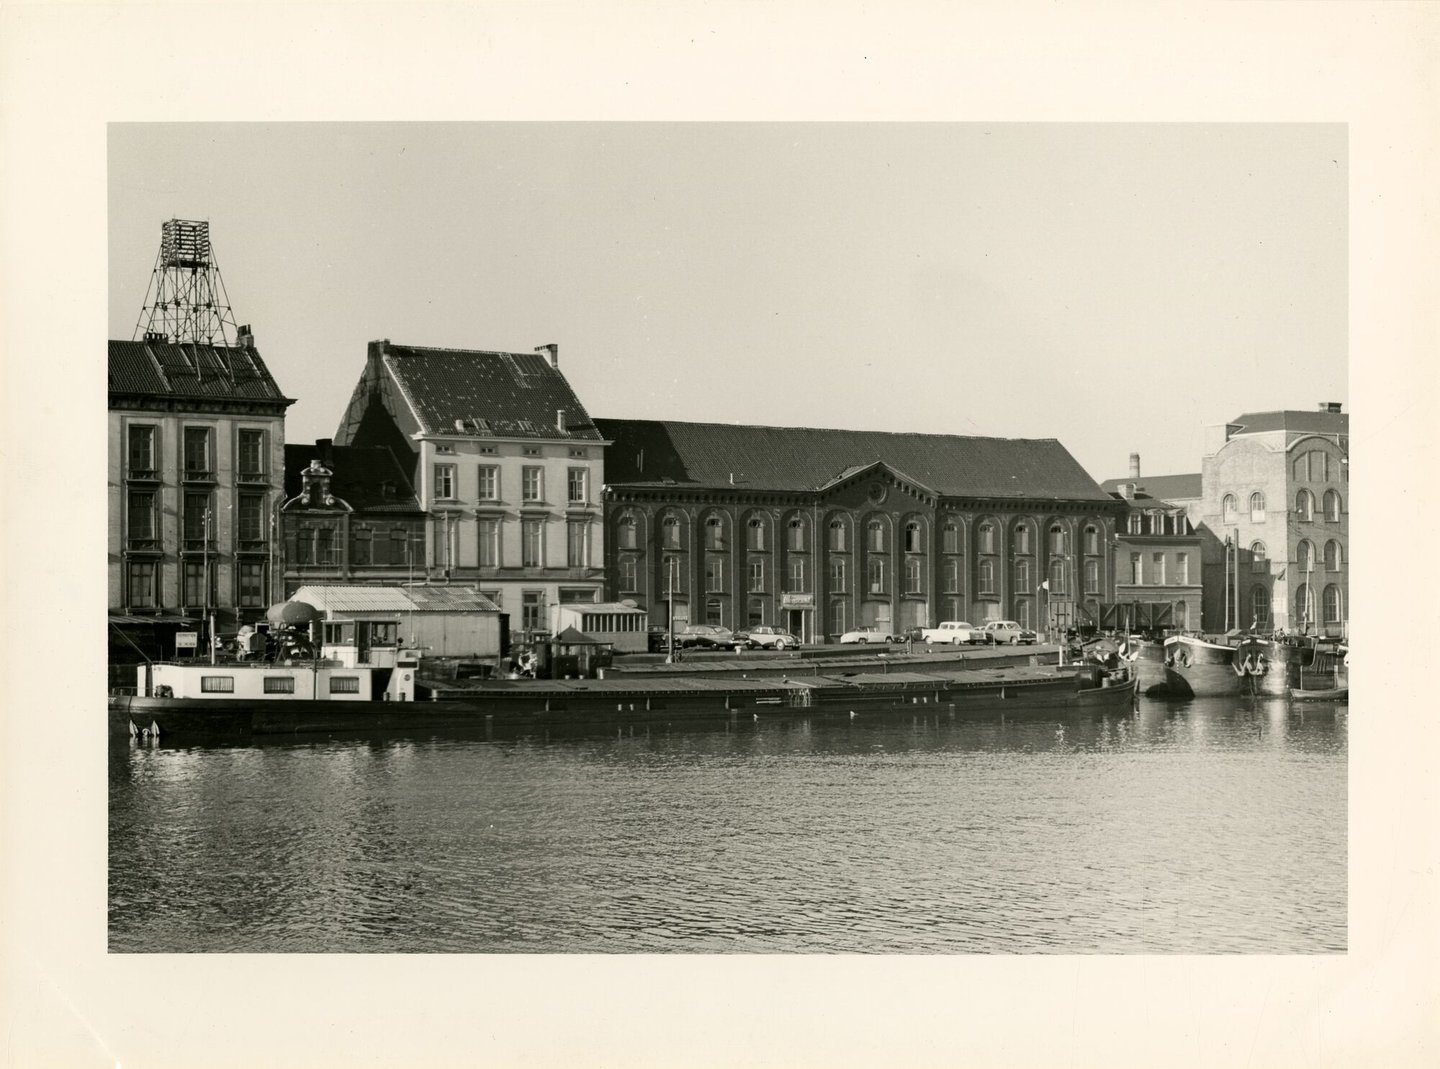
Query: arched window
[(1022, 538), (628, 538), (1331, 605), (986, 577), (1022, 576), (1305, 505), (1092, 577), (1260, 606), (875, 575), (1059, 542), (914, 583), (1258, 562), (837, 575), (875, 536), (1257, 507), (1334, 556), (715, 532), (838, 618), (796, 534), (755, 533), (914, 540), (1304, 605), (1305, 555), (1227, 509), (987, 537), (1092, 540), (950, 537), (1332, 506), (670, 532), (952, 577), (1057, 577), (839, 536), (672, 576)]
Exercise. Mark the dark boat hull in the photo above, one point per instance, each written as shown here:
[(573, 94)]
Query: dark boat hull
[(1057, 694)]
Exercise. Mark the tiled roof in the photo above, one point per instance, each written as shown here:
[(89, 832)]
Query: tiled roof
[(662, 453), (1309, 422), (1159, 487), (394, 599), (200, 371), (501, 394), (360, 473)]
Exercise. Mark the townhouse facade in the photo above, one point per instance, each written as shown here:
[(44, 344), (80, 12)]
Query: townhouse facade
[(1159, 570), (507, 467), (195, 476), (819, 531)]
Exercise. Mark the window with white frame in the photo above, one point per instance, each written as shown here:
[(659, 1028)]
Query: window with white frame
[(1022, 575), (577, 543), (1157, 569), (951, 573), (142, 452), (914, 537), (1092, 541), (629, 574), (1227, 509), (532, 543), (1134, 523), (1334, 556), (715, 574), (250, 453), (488, 535), (1022, 539), (1330, 604), (1182, 568), (950, 537), (1257, 507), (757, 576), (837, 575), (1258, 561), (1305, 505), (796, 575), (627, 531), (1332, 506), (875, 575), (670, 532), (489, 482), (714, 532), (1305, 555), (532, 483), (985, 576), (577, 486), (875, 536), (1057, 577), (796, 534), (839, 536), (1137, 572), (445, 482), (914, 580), (755, 533), (1092, 577), (987, 538)]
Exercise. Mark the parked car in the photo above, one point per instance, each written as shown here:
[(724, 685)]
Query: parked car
[(706, 636), (773, 638), (657, 638), (954, 633), (865, 635), (1009, 631)]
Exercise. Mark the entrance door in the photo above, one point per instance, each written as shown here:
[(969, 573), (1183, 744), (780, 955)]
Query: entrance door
[(795, 623)]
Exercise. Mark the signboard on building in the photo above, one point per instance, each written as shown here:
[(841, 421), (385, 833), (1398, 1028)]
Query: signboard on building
[(797, 601), (187, 640)]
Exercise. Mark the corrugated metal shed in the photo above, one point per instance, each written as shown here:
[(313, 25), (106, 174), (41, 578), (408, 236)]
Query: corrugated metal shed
[(394, 599), (664, 453)]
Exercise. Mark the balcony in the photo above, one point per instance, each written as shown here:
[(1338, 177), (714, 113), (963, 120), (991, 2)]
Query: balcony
[(142, 475), (251, 476), (197, 545), (197, 475)]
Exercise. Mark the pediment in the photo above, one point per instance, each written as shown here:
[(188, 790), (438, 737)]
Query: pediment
[(879, 482)]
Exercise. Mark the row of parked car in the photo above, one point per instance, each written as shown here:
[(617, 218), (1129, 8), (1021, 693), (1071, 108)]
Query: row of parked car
[(715, 637)]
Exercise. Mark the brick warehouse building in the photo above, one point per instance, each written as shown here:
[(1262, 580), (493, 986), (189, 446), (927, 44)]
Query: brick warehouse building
[(819, 531)]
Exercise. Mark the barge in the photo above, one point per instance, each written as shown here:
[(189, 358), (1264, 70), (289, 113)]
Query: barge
[(243, 699)]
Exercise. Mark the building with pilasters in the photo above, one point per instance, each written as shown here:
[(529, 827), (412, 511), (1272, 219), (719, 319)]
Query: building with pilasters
[(506, 464), (819, 531)]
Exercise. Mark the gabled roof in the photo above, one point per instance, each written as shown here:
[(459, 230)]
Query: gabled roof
[(1298, 421), (1159, 487), (360, 475), (158, 369), (494, 394), (656, 453), (339, 598)]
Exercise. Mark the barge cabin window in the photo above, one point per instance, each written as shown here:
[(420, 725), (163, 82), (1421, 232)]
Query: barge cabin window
[(344, 684), (279, 684), (217, 684)]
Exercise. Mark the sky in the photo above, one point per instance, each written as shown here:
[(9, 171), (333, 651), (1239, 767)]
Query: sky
[(1114, 286)]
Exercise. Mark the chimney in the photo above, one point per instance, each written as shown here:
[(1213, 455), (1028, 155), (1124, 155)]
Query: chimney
[(1127, 491), (560, 420), (1333, 407), (1135, 466), (245, 337), (551, 353)]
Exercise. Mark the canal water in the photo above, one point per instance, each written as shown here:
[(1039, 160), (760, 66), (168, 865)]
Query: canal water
[(1206, 827)]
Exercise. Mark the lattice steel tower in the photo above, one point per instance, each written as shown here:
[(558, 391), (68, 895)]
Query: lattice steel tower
[(186, 300)]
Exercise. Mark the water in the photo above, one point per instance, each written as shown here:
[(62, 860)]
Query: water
[(1207, 827)]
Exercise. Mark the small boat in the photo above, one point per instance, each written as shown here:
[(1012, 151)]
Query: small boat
[(1327, 677), (1319, 694)]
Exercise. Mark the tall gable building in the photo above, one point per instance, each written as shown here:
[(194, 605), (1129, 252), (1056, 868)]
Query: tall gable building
[(819, 530), (196, 469), (506, 463), (1159, 570)]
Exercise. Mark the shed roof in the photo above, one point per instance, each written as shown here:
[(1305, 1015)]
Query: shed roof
[(1295, 420), (202, 372), (356, 598), (1160, 487), (665, 453), (493, 394)]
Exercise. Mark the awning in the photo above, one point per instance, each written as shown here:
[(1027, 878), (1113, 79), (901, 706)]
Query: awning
[(158, 618)]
